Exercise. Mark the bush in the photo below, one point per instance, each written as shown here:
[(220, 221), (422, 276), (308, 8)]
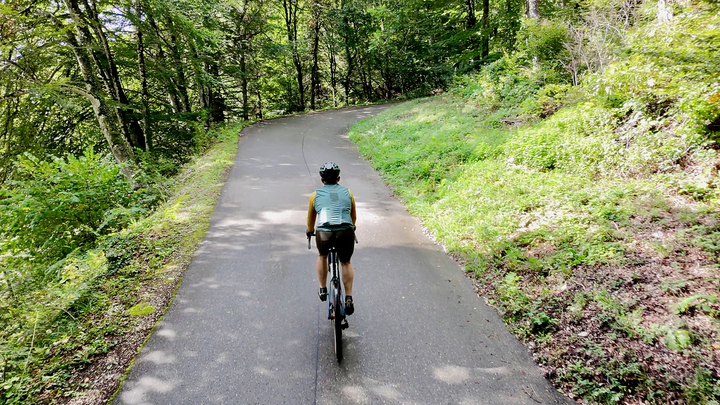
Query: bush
[(63, 204), (543, 43), (575, 140)]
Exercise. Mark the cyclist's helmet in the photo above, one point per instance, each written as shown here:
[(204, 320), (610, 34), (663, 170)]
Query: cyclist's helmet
[(329, 172)]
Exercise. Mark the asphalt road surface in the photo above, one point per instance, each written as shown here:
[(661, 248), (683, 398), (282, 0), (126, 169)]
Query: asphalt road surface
[(247, 327)]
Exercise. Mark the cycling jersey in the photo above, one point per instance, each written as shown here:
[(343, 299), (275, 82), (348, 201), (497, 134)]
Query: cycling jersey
[(334, 208)]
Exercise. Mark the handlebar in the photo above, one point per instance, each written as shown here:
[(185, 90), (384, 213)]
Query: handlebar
[(309, 236)]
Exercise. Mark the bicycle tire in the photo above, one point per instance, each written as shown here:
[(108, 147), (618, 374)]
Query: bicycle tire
[(337, 323)]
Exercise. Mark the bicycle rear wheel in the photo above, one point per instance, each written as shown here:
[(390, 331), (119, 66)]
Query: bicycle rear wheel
[(337, 323)]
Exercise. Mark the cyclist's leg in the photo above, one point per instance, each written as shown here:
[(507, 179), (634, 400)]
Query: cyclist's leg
[(348, 275), (322, 270), (321, 240), (346, 247)]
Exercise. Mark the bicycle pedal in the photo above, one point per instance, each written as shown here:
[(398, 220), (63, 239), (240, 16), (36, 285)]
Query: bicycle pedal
[(344, 324)]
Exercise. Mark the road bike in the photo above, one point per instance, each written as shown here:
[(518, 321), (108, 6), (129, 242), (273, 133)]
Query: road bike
[(336, 298)]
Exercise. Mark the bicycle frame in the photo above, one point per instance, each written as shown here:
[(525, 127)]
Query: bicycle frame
[(336, 298), (335, 283)]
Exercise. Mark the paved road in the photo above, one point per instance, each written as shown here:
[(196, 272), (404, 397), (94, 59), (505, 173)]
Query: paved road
[(246, 326)]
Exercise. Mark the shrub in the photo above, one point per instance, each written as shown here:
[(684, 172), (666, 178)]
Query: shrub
[(543, 43), (576, 140), (62, 204)]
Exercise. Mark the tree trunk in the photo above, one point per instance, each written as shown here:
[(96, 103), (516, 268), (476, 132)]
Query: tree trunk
[(118, 144), (471, 19), (664, 11), (333, 73), (533, 9), (99, 50), (143, 77), (244, 84), (215, 100), (169, 82), (260, 108), (350, 65), (366, 79), (11, 112), (119, 147), (301, 86), (179, 66), (485, 29), (314, 74), (204, 91), (291, 23)]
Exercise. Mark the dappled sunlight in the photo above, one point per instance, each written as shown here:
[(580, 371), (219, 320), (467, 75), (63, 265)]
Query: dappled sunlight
[(146, 385), (206, 282), (222, 358), (494, 370), (370, 215), (264, 372), (350, 334), (167, 333), (387, 392), (282, 217), (452, 374), (458, 375), (247, 224), (158, 357), (356, 394), (251, 316)]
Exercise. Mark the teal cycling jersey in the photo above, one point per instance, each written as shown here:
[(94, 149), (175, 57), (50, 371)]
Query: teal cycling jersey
[(335, 206)]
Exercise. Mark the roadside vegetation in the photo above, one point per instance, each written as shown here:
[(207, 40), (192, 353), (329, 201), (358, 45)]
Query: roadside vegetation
[(570, 161), (90, 263), (587, 215)]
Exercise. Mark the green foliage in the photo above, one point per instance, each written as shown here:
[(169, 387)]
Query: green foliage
[(536, 203), (515, 300), (622, 378), (542, 41), (705, 389), (141, 309), (677, 339), (574, 140), (52, 327), (64, 204), (697, 301)]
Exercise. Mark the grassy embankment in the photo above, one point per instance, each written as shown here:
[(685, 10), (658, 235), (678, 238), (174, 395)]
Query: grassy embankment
[(73, 338), (589, 219)]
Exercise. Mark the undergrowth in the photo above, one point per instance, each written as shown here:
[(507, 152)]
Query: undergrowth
[(588, 214), (110, 274)]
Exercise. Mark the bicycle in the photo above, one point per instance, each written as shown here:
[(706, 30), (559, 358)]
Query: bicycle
[(336, 298)]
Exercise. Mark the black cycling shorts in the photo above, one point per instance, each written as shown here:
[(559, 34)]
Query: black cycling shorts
[(344, 242)]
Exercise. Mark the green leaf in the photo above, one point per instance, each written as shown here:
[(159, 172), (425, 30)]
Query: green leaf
[(677, 339)]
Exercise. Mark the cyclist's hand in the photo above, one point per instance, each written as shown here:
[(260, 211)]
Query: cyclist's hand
[(309, 233)]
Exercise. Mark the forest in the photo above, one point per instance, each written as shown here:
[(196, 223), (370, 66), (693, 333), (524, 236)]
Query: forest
[(109, 108)]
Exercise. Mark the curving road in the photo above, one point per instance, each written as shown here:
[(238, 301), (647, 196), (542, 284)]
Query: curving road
[(246, 326)]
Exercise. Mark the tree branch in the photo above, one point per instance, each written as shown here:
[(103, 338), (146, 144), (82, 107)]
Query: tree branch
[(15, 95)]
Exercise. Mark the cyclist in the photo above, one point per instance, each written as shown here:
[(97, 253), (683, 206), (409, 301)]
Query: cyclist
[(334, 208)]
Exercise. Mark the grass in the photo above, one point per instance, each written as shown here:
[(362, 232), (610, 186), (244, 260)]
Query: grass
[(76, 337), (609, 272)]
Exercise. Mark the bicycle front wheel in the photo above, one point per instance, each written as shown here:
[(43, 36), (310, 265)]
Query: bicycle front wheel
[(337, 323)]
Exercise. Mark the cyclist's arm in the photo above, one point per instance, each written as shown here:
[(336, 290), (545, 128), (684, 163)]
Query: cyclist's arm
[(353, 212), (312, 215)]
